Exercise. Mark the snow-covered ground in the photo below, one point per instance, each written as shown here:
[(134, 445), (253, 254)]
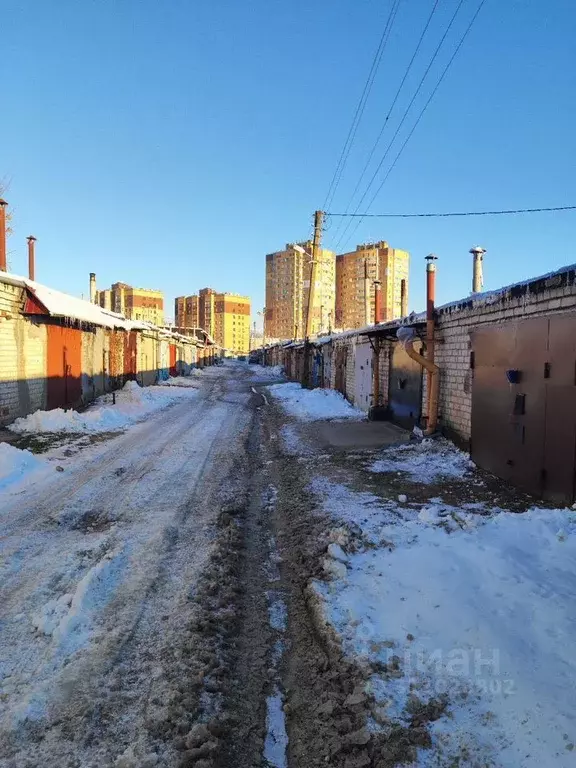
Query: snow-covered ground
[(133, 403), (16, 466), (193, 380), (314, 404), (97, 566), (425, 462), (466, 613)]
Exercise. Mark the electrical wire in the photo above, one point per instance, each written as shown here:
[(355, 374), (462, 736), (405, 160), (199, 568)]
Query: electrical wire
[(421, 115), (404, 116), (394, 100), (342, 160), (452, 213)]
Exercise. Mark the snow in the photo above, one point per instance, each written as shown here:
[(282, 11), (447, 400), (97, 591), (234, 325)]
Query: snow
[(267, 372), (67, 619), (183, 381), (133, 403), (276, 736), (477, 607), (97, 566), (425, 462), (314, 404), (16, 465)]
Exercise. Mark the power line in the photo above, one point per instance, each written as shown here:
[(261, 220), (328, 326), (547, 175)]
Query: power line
[(404, 116), (361, 104), (422, 112), (395, 99), (451, 213)]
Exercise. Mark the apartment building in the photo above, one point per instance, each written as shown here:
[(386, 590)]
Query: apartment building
[(232, 322), (288, 275), (225, 316), (134, 303), (186, 312), (359, 269)]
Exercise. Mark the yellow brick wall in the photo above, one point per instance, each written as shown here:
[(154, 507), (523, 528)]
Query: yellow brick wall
[(22, 358)]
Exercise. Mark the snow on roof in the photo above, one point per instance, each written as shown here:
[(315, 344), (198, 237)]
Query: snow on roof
[(491, 297), (63, 305)]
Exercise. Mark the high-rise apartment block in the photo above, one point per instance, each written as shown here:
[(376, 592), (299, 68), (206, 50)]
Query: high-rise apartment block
[(287, 290), (356, 271), (134, 303), (225, 316), (186, 312)]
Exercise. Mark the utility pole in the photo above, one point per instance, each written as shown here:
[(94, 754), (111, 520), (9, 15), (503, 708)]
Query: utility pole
[(318, 222)]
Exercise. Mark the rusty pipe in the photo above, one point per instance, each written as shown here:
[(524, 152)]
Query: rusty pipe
[(403, 298), (31, 257), (377, 301), (3, 262), (433, 385)]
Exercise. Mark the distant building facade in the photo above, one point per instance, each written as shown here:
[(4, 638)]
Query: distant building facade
[(380, 262), (288, 275), (225, 316), (186, 312), (134, 303)]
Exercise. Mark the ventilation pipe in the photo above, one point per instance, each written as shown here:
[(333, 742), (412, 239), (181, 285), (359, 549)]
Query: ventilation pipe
[(377, 301), (407, 336), (366, 294), (477, 273), (403, 299), (92, 287), (3, 264), (31, 257)]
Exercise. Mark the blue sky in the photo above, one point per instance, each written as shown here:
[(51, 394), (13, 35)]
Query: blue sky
[(173, 144)]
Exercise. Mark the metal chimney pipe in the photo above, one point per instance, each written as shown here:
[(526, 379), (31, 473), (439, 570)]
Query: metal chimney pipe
[(31, 257), (92, 287), (3, 262), (366, 294), (403, 299), (477, 272), (377, 301), (430, 302)]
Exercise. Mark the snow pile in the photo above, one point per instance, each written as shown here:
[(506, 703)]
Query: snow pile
[(314, 404), (133, 403), (476, 617), (180, 381), (425, 462), (267, 372), (15, 464)]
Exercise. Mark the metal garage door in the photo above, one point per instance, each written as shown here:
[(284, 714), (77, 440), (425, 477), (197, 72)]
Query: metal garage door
[(363, 376), (64, 367), (524, 404), (405, 388)]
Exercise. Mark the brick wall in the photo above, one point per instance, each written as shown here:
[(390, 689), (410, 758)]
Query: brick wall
[(22, 358)]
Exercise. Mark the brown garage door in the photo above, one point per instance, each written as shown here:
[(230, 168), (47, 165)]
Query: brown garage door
[(64, 369), (523, 403)]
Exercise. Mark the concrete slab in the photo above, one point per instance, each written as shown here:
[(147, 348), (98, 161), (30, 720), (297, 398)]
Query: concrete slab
[(356, 435)]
